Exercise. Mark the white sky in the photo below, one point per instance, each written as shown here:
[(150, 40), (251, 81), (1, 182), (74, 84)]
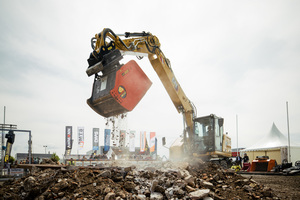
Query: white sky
[(232, 58)]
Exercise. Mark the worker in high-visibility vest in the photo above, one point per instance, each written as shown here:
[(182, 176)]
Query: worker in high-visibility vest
[(71, 162)]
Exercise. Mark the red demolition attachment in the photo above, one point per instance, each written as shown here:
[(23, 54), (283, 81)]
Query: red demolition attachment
[(119, 90)]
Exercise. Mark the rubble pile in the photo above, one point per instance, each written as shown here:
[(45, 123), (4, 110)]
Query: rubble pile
[(48, 161), (199, 181)]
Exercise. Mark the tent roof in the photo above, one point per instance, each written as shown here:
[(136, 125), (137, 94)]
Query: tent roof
[(274, 139)]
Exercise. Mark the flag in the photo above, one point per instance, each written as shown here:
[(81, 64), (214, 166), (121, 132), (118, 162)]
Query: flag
[(68, 137), (80, 132), (106, 139), (131, 141), (147, 150), (142, 141), (95, 138), (155, 145), (152, 142)]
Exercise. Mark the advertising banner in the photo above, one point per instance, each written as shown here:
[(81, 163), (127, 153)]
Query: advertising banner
[(106, 139), (80, 132), (152, 142), (122, 138), (95, 139), (142, 141), (156, 145), (132, 141), (68, 137), (147, 150)]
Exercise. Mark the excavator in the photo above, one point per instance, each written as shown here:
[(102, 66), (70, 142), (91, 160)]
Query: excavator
[(118, 88), (10, 140)]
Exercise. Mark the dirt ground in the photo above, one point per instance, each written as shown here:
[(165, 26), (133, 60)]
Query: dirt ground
[(285, 187)]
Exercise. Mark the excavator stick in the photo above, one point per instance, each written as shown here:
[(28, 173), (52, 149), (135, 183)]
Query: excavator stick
[(120, 87)]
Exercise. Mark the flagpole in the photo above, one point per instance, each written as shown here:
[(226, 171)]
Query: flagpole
[(237, 136), (288, 127), (2, 141)]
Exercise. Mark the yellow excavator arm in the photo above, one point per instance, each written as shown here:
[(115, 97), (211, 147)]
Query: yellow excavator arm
[(139, 44)]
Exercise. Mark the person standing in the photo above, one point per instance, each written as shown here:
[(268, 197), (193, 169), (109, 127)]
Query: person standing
[(71, 162), (238, 160), (245, 158), (246, 163)]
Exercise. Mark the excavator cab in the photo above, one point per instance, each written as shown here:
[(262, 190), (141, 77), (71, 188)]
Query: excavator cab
[(117, 88), (209, 137)]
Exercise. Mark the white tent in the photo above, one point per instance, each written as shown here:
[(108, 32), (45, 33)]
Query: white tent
[(274, 145)]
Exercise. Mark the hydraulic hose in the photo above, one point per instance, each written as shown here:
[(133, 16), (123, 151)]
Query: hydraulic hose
[(93, 43), (105, 31)]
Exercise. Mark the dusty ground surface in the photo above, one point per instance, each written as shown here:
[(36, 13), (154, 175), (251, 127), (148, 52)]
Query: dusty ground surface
[(285, 187), (187, 181)]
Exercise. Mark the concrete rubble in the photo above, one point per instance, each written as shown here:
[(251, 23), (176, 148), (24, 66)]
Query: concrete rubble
[(187, 181)]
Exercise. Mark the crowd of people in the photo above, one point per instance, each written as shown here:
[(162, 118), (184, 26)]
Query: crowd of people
[(99, 157), (26, 161), (241, 163), (239, 159)]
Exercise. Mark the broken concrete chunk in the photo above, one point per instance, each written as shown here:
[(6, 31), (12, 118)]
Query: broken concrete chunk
[(156, 196), (190, 180), (199, 194), (207, 184), (29, 183), (110, 196)]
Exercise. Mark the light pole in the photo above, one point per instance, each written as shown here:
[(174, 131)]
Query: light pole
[(2, 141), (45, 148), (288, 127)]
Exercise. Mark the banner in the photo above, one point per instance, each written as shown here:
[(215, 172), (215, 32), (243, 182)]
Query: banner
[(68, 137), (147, 150), (95, 138), (142, 141), (106, 139), (152, 142), (80, 131), (154, 154), (155, 145), (132, 141)]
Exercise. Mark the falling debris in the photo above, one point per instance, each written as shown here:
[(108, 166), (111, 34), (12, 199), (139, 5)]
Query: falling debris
[(116, 124)]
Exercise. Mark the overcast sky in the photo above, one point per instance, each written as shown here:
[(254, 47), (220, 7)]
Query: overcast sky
[(236, 59)]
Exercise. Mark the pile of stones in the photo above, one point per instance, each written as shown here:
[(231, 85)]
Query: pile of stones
[(189, 181)]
